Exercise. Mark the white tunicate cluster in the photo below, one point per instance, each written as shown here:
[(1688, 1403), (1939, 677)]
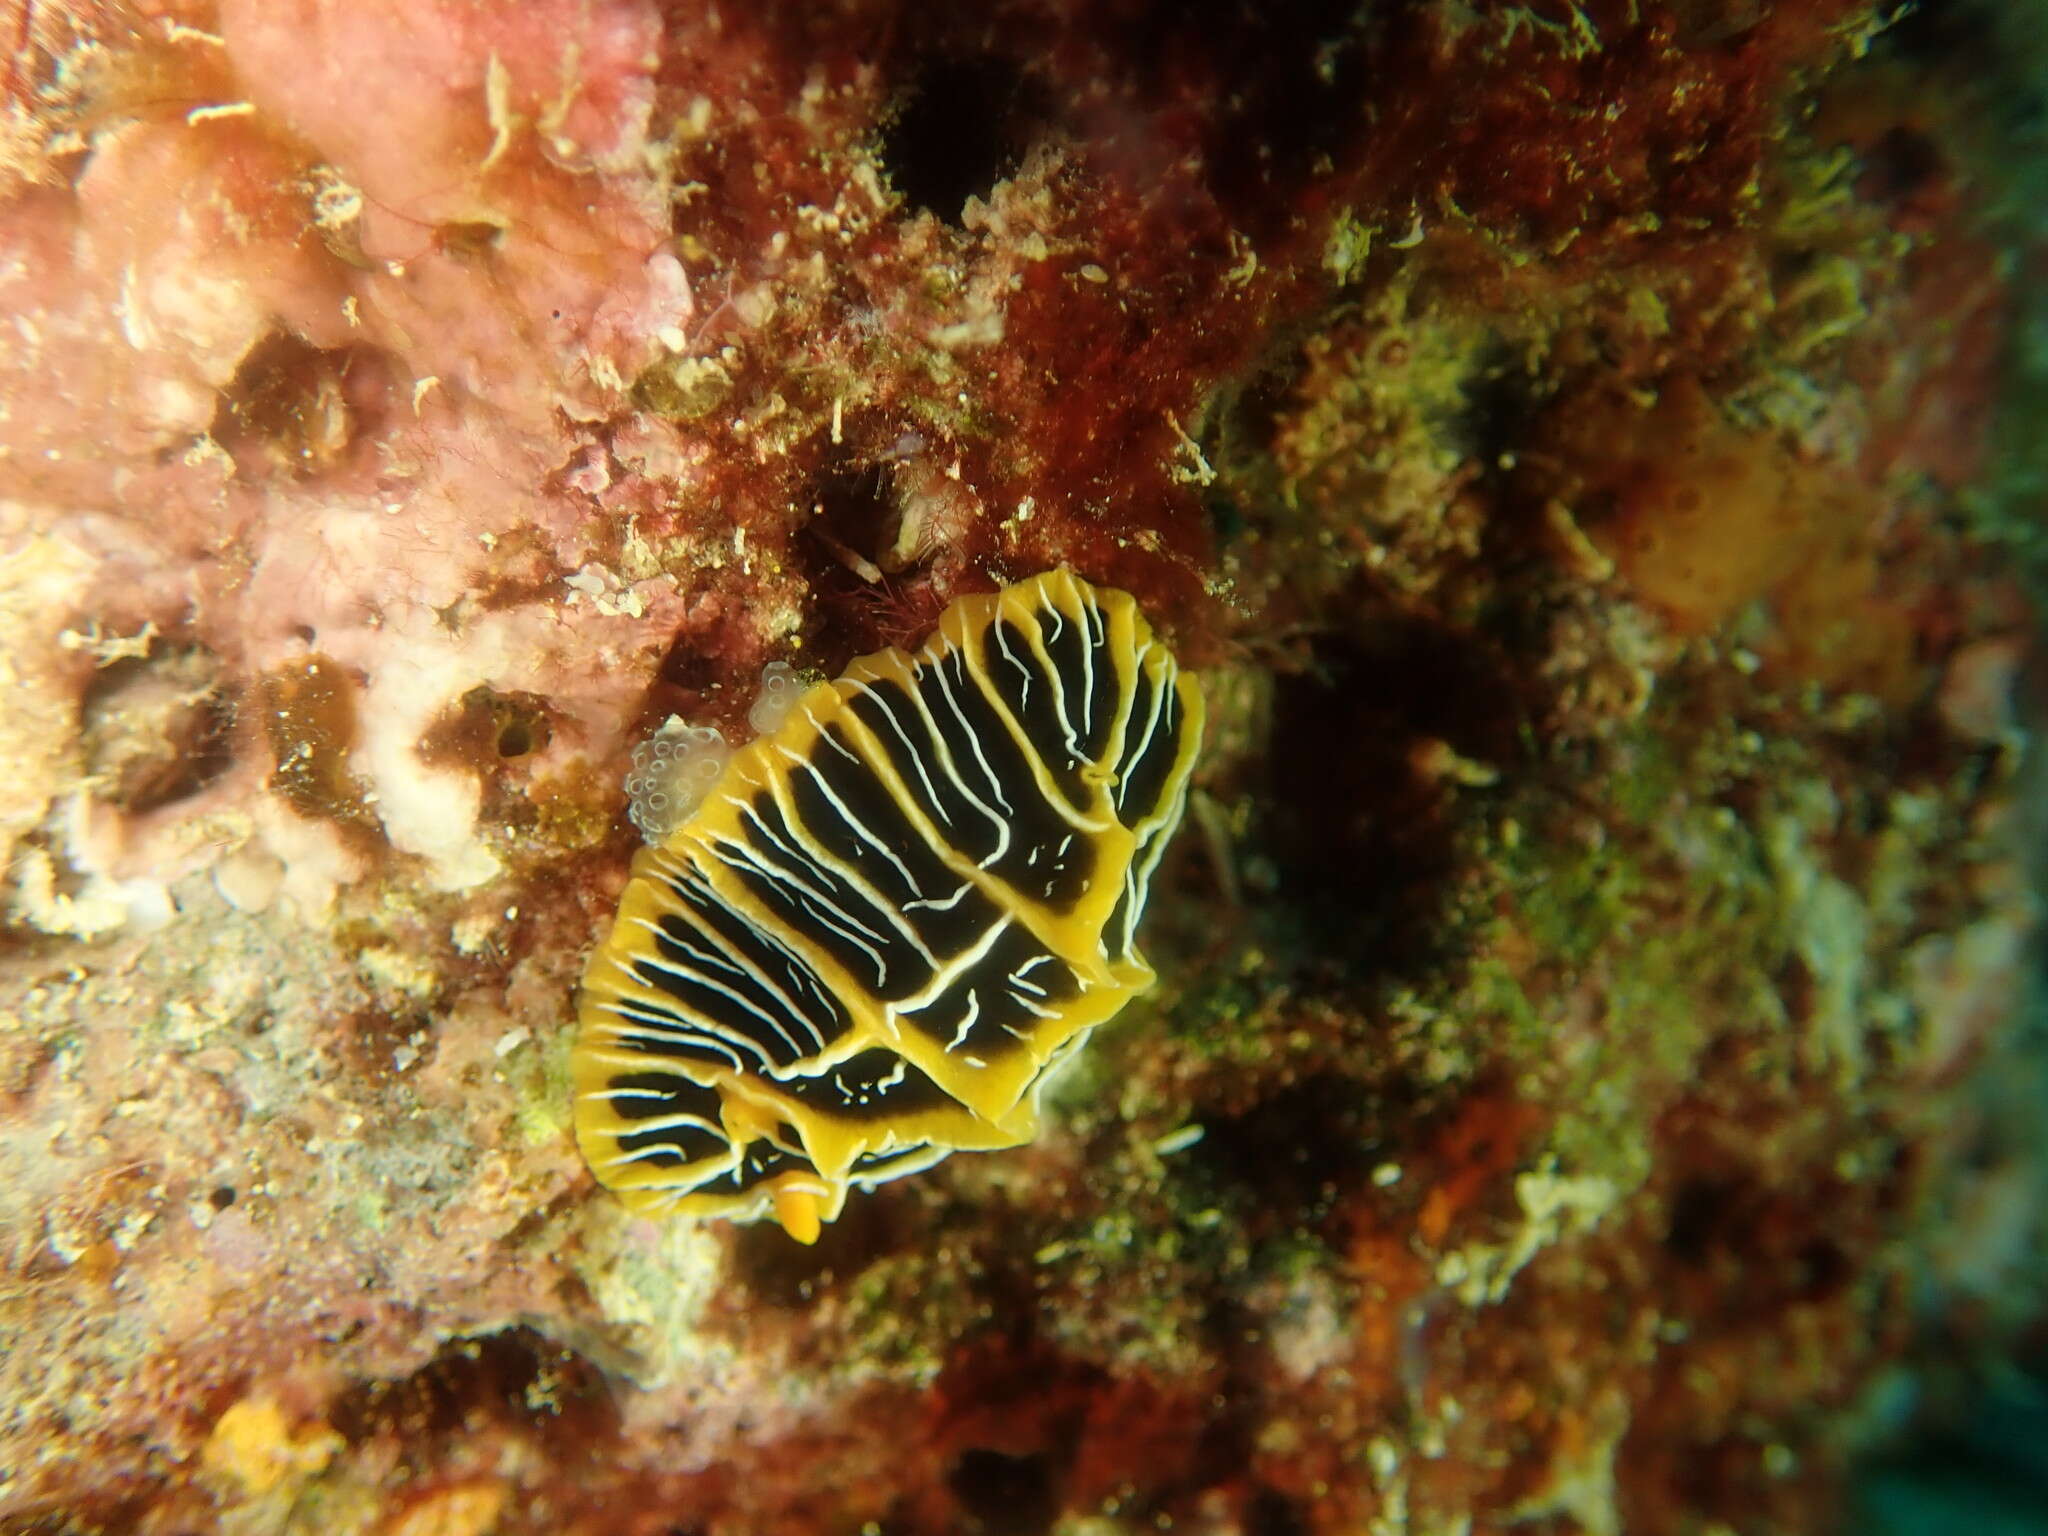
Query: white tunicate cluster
[(781, 687), (673, 770)]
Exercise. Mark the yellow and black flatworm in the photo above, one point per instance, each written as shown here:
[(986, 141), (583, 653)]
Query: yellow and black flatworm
[(891, 916)]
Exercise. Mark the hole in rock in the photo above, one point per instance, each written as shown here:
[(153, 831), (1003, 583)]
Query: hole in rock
[(1501, 405), (854, 515), (1360, 827), (469, 239), (485, 729), (1272, 1513), (1251, 411), (158, 728), (514, 1378), (309, 714), (1004, 1495), (293, 408), (1290, 1155), (1944, 33), (961, 126), (688, 665), (861, 605), (1901, 163), (1821, 1270), (779, 1273), (1278, 92)]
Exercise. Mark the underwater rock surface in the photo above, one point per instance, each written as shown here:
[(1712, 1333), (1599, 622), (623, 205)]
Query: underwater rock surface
[(1582, 448)]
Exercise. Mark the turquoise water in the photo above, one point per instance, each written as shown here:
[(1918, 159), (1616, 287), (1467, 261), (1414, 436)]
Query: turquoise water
[(1980, 1471)]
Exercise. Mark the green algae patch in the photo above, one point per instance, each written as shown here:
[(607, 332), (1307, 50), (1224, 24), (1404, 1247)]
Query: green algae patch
[(540, 1084)]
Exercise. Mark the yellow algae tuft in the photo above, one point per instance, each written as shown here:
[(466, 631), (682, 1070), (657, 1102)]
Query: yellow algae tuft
[(463, 1509), (256, 1444)]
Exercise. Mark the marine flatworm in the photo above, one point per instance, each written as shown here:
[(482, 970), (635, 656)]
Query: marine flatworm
[(891, 916)]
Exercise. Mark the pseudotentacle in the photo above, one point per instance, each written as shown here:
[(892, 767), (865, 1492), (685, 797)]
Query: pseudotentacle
[(891, 917)]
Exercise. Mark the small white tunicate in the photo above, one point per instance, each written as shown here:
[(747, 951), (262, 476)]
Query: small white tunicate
[(781, 687), (673, 770)]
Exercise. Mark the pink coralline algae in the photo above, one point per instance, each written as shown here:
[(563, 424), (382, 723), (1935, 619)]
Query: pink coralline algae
[(1581, 1089), (314, 441)]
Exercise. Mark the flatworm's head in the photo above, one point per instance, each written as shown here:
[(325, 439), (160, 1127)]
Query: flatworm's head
[(891, 916)]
